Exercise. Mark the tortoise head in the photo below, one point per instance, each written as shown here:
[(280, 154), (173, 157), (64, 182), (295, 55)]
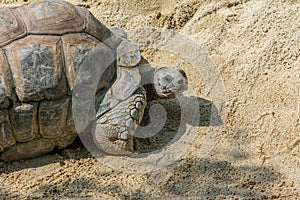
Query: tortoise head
[(169, 82)]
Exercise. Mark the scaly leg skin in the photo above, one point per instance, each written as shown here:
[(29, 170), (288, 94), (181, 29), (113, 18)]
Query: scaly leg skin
[(116, 128)]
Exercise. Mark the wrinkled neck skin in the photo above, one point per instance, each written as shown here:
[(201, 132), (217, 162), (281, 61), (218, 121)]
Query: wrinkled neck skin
[(147, 73), (151, 93)]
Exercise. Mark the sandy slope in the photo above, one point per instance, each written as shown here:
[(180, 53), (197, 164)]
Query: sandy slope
[(246, 142)]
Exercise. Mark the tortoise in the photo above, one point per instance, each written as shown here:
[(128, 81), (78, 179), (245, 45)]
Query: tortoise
[(49, 49)]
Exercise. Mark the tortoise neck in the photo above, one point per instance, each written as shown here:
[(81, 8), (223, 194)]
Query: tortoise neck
[(147, 76), (151, 92), (148, 83)]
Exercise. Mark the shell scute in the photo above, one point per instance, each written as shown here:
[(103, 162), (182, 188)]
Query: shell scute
[(51, 17), (37, 67), (11, 27)]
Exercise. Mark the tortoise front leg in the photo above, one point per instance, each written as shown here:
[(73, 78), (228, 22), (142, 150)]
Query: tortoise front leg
[(116, 128)]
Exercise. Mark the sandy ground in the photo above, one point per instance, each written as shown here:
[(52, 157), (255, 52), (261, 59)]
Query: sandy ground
[(246, 142)]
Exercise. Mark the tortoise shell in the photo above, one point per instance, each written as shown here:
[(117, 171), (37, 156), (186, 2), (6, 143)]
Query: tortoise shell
[(42, 46)]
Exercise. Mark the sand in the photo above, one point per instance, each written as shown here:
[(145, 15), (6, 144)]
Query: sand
[(241, 140)]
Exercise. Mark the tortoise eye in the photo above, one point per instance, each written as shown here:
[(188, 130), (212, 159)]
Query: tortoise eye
[(167, 78), (182, 73)]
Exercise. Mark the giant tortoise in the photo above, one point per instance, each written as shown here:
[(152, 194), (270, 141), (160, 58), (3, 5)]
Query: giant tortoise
[(49, 49)]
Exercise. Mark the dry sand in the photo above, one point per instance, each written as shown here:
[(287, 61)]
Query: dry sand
[(246, 144)]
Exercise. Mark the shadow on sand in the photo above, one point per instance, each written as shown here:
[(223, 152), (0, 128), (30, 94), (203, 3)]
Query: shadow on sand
[(180, 112)]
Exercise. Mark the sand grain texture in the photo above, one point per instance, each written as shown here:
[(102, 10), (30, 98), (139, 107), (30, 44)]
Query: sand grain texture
[(255, 46)]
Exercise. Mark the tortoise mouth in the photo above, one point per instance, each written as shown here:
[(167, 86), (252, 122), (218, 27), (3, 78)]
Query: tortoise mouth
[(169, 91), (165, 93)]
